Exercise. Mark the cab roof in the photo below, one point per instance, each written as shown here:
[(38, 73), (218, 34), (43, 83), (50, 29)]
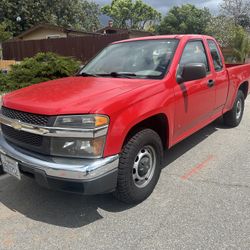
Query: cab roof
[(189, 36)]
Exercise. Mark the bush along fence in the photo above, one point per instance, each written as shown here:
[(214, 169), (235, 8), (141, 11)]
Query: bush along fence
[(42, 67)]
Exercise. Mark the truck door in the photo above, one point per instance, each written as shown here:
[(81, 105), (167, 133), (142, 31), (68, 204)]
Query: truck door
[(220, 76), (195, 100)]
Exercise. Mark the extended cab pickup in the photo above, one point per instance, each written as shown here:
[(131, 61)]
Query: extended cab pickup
[(105, 129)]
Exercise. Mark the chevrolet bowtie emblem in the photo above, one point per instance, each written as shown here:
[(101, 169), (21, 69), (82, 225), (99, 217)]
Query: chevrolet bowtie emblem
[(16, 125)]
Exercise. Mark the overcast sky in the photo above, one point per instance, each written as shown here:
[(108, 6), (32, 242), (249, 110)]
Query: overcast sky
[(164, 5)]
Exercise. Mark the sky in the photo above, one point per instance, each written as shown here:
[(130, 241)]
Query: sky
[(164, 5)]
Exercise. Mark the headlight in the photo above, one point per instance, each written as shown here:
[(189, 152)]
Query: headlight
[(81, 121), (78, 147)]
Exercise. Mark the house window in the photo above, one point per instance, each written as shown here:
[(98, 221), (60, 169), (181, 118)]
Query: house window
[(53, 36)]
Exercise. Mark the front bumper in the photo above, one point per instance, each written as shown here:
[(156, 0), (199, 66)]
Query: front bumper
[(87, 176)]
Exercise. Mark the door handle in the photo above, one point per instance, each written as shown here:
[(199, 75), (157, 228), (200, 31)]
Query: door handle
[(210, 83)]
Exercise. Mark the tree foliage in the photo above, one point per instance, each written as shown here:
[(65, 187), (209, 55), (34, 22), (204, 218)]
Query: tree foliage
[(131, 14), (239, 10), (4, 34), (21, 15), (241, 45), (41, 67), (186, 19), (222, 28)]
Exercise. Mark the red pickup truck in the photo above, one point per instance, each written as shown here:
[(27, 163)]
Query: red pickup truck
[(105, 129)]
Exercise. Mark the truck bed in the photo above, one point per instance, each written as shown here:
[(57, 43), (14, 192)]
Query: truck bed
[(237, 74)]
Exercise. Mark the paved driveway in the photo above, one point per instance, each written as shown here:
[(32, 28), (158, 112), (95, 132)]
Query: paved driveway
[(202, 201)]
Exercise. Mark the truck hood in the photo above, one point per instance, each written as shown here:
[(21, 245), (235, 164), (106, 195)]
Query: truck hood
[(71, 95)]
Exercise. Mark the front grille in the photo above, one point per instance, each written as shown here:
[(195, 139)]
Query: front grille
[(25, 140), (30, 118), (22, 137)]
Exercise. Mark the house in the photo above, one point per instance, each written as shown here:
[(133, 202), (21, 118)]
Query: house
[(78, 44), (131, 32), (48, 31)]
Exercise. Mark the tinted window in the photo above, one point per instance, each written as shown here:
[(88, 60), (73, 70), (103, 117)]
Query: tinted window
[(217, 61), (194, 52)]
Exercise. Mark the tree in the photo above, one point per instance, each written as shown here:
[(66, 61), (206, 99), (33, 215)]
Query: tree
[(222, 28), (186, 19), (239, 10), (244, 20), (21, 15), (241, 45), (4, 35), (131, 14)]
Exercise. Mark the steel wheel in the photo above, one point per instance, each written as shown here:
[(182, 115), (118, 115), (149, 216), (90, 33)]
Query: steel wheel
[(234, 116), (139, 167), (144, 166), (238, 109)]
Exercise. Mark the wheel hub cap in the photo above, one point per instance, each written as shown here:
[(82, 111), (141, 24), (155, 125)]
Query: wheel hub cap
[(238, 109), (144, 166)]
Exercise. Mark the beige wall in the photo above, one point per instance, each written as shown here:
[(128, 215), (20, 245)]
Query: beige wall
[(43, 33), (75, 34), (5, 64)]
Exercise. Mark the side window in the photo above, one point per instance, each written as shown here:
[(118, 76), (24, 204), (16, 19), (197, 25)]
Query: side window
[(194, 52), (218, 66)]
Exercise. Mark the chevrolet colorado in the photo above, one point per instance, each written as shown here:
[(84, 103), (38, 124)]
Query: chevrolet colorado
[(105, 129)]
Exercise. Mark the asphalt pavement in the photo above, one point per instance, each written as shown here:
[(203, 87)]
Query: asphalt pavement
[(202, 201)]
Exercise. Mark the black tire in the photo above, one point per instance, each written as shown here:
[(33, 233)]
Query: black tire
[(1, 170), (127, 190), (233, 117)]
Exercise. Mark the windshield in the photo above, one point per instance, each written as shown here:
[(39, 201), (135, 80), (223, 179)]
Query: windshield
[(138, 59)]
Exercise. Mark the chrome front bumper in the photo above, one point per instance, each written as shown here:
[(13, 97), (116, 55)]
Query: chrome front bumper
[(66, 168)]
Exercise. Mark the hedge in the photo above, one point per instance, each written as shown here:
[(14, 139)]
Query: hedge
[(42, 67)]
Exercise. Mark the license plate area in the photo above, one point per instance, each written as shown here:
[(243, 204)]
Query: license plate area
[(10, 166)]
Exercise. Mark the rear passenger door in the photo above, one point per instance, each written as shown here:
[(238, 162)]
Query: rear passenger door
[(220, 76), (195, 100)]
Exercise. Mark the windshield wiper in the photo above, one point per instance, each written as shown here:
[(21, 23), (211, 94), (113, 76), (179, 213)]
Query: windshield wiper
[(112, 74), (86, 74), (119, 74)]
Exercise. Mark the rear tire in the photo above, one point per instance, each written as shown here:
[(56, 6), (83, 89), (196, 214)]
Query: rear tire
[(139, 167), (233, 117)]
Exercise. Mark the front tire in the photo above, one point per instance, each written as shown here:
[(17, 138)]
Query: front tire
[(139, 167), (233, 117)]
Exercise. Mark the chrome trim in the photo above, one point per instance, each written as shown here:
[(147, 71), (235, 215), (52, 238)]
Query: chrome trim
[(53, 131), (80, 169)]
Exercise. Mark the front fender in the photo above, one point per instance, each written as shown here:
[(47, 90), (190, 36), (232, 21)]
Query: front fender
[(123, 121)]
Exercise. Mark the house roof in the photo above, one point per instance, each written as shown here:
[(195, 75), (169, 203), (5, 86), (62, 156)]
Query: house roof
[(51, 26)]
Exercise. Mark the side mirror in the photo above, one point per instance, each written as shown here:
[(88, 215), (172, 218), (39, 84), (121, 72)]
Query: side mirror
[(191, 72)]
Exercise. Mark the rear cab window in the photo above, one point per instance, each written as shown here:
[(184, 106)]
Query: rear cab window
[(217, 60)]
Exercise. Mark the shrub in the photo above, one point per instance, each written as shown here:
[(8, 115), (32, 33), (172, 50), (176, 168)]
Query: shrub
[(41, 67)]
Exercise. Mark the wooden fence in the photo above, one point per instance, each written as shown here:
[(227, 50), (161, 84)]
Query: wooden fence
[(82, 48)]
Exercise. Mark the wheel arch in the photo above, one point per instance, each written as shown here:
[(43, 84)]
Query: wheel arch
[(244, 87), (158, 122)]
